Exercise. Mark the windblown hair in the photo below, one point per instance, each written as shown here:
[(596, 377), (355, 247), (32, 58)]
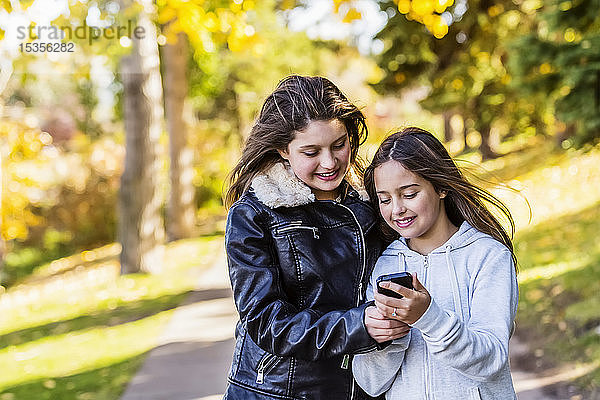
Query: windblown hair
[(422, 153), (296, 102)]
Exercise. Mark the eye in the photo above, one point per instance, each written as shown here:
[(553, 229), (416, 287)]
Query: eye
[(340, 145), (410, 195), (310, 153), (384, 201)]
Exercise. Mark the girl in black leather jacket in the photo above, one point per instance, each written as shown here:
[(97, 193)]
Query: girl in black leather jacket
[(301, 244)]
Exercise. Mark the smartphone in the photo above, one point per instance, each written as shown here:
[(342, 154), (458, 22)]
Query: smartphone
[(400, 278)]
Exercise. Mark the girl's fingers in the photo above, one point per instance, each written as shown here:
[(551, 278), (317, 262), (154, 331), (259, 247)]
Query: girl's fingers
[(373, 312), (388, 324), (406, 292), (388, 301), (383, 329), (388, 306), (385, 310), (385, 324), (385, 335), (418, 285)]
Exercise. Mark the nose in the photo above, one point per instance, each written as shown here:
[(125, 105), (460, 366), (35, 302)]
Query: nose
[(398, 208), (328, 160)]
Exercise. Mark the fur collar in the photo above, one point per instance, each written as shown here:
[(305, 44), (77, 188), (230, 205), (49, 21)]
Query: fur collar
[(278, 186)]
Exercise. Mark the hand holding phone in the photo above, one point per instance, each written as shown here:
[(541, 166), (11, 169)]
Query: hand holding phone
[(400, 278), (411, 307)]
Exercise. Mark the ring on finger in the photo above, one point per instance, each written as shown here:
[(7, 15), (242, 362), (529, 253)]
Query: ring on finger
[(394, 314)]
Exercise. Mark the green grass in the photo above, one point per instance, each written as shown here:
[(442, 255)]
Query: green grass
[(75, 329), (560, 295), (558, 247)]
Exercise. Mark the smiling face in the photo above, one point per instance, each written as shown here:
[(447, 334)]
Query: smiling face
[(412, 207), (319, 156)]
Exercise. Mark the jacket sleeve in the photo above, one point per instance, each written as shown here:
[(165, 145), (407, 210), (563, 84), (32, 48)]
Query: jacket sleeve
[(479, 348), (271, 320)]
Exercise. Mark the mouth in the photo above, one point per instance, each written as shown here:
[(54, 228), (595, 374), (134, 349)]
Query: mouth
[(328, 176), (404, 222)]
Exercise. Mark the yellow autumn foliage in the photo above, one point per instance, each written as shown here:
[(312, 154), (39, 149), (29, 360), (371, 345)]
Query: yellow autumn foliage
[(21, 153), (209, 26), (426, 12)]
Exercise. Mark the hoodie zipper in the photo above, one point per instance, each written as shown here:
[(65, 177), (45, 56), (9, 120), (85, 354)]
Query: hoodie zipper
[(425, 355)]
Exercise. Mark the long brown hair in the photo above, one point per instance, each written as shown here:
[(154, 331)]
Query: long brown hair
[(296, 102), (423, 154)]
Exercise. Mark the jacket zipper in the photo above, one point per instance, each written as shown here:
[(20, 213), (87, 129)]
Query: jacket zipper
[(346, 359), (364, 256), (295, 226), (264, 366), (425, 357)]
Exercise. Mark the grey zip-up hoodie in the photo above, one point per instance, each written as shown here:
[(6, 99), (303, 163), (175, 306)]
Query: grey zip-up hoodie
[(458, 349)]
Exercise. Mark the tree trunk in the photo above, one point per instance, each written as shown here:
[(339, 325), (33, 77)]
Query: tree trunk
[(465, 133), (598, 91), (181, 206), (484, 127), (141, 230), (448, 134), (485, 148)]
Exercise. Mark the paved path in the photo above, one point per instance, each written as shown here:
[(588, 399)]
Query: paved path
[(192, 357), (528, 385)]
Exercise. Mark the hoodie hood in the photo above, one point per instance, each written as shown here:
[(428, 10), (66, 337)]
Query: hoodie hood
[(465, 236)]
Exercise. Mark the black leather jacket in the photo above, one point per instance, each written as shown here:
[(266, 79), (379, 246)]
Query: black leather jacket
[(299, 274)]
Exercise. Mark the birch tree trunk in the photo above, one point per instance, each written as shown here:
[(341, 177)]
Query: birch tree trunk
[(141, 230), (466, 146), (485, 148), (448, 133), (181, 206)]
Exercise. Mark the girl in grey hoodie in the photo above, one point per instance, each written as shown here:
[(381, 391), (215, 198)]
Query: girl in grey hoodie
[(462, 309)]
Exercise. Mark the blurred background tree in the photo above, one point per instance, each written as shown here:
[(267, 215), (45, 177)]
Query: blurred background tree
[(141, 230), (560, 57), (458, 51)]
